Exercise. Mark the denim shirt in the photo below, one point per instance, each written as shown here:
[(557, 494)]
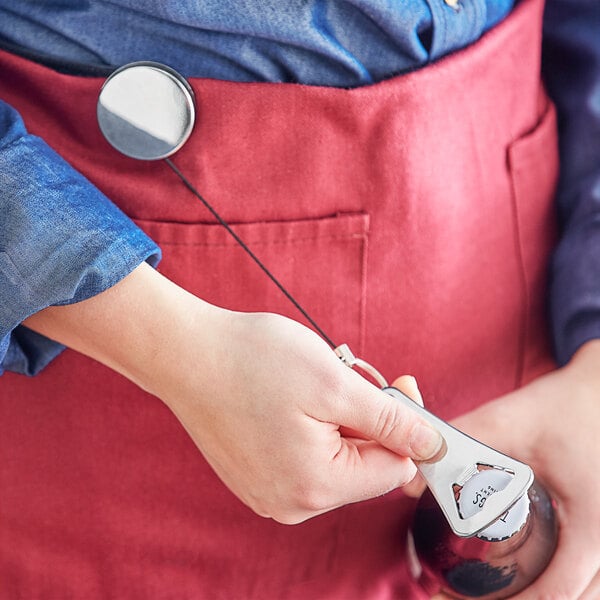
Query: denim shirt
[(62, 241)]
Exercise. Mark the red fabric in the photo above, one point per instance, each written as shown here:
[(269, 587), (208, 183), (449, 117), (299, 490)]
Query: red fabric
[(412, 218)]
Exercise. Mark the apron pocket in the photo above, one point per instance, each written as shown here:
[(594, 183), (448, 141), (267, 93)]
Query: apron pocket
[(533, 162), (321, 262)]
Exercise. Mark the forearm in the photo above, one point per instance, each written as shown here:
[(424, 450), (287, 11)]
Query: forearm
[(134, 327), (264, 398), (61, 241)]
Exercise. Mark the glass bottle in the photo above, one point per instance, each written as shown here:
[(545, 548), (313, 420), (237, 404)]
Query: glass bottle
[(501, 560)]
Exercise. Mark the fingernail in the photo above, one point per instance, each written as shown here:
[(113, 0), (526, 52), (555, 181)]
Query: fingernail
[(425, 442)]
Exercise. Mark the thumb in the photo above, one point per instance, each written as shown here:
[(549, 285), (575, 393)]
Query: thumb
[(380, 417)]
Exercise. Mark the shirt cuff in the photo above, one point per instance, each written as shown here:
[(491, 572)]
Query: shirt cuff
[(61, 241)]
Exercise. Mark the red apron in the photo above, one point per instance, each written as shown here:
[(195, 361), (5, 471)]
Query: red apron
[(412, 218)]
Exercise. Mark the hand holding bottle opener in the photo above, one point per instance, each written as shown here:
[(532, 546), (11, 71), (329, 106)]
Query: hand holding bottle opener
[(147, 111), (463, 457), (460, 462)]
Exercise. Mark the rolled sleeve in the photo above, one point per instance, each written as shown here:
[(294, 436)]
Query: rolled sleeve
[(61, 241)]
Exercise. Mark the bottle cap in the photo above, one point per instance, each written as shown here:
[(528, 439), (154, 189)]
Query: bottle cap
[(475, 493)]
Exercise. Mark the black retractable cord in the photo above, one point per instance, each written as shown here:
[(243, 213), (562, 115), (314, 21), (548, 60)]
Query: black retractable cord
[(146, 111)]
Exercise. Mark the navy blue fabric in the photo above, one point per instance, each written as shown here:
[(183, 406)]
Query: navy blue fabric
[(571, 66), (344, 43)]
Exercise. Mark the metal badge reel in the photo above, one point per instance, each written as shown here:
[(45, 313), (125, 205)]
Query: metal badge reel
[(146, 111)]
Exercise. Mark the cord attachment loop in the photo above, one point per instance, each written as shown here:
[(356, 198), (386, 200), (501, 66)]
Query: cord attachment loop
[(346, 355)]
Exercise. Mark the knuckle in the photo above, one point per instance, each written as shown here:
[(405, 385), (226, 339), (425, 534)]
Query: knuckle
[(304, 499), (276, 512), (287, 518), (314, 494), (314, 500), (389, 422)]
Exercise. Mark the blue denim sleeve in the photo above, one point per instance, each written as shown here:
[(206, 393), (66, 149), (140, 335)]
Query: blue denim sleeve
[(61, 241), (571, 63)]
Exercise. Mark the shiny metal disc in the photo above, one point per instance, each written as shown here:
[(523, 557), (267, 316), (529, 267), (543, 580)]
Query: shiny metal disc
[(146, 110)]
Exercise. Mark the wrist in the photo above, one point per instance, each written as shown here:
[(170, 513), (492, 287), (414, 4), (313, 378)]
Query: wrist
[(585, 364), (139, 327)]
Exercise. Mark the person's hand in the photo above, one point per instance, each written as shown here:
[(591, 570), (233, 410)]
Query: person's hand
[(552, 424), (290, 429)]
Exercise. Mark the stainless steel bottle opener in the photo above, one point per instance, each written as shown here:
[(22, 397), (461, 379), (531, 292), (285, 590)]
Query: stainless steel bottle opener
[(464, 456)]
